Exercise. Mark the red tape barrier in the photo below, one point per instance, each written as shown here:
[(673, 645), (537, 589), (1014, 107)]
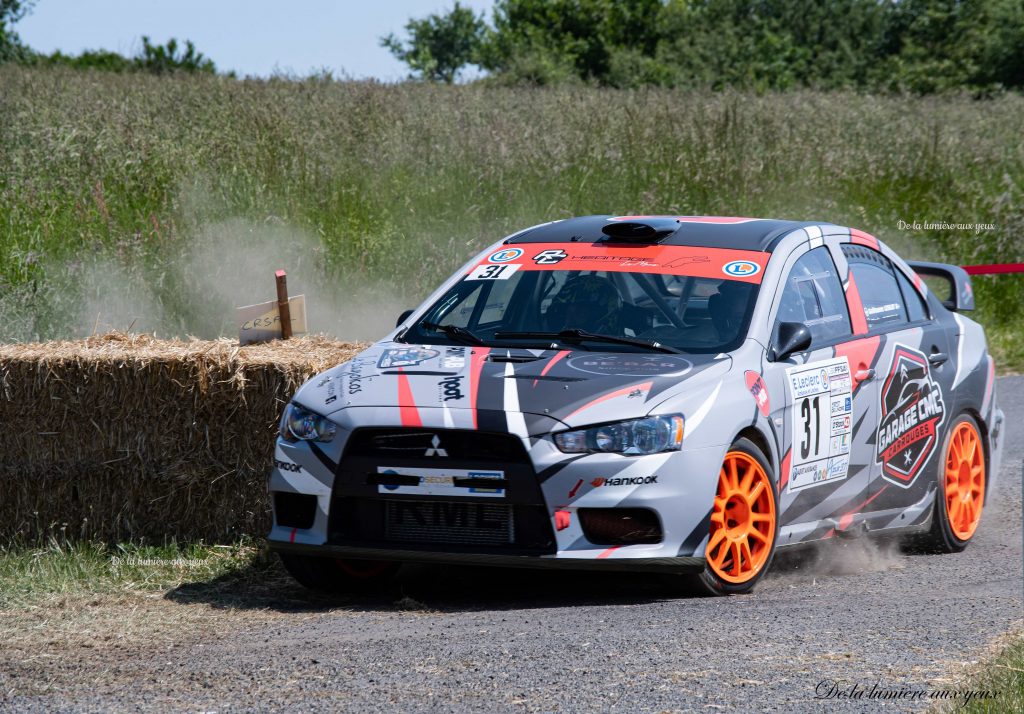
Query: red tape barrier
[(994, 268)]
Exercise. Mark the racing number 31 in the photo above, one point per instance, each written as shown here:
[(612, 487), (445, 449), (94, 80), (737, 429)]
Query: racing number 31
[(812, 430)]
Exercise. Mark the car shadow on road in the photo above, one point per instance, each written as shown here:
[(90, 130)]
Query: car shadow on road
[(265, 585)]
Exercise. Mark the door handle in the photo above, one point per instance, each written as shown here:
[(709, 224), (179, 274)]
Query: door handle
[(864, 375), (938, 358)]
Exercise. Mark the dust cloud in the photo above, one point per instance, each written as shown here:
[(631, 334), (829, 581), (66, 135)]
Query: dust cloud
[(227, 265), (844, 556)]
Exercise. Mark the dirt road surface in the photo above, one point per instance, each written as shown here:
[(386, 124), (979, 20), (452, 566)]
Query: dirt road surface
[(478, 640)]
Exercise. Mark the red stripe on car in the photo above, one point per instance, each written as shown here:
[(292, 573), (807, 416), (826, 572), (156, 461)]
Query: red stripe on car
[(784, 468), (476, 365), (644, 387), (551, 363), (857, 319), (408, 412), (861, 354), (609, 551), (862, 238), (847, 518)]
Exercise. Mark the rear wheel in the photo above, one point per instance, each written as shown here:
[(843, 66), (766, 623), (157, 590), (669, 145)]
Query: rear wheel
[(338, 575), (744, 524), (961, 489)]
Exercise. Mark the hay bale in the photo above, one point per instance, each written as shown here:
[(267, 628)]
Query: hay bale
[(128, 437)]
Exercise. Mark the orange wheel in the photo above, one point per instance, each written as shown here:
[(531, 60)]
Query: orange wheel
[(964, 480), (742, 520)]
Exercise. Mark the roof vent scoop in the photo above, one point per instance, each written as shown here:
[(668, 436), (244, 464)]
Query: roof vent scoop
[(645, 230)]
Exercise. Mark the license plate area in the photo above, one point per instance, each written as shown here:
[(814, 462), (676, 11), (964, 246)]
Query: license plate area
[(457, 483), (463, 522)]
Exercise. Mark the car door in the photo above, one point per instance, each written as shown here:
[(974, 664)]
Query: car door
[(825, 471), (913, 375)]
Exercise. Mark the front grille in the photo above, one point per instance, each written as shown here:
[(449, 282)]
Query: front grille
[(435, 444), (379, 465), (449, 522), (463, 526)]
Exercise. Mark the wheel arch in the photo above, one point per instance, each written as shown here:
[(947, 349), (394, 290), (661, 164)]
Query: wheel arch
[(762, 442), (983, 428)]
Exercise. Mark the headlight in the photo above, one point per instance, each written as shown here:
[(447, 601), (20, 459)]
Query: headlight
[(651, 435), (301, 424)]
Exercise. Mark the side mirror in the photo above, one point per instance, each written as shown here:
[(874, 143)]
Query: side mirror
[(789, 338), (403, 317)]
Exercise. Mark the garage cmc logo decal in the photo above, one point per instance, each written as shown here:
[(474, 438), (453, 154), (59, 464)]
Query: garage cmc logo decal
[(912, 409)]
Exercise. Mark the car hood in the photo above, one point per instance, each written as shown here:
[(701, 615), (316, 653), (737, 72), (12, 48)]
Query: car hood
[(468, 383)]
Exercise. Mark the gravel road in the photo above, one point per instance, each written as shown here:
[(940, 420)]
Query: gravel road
[(462, 639)]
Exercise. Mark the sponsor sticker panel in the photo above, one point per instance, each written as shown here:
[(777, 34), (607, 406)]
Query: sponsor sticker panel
[(822, 422)]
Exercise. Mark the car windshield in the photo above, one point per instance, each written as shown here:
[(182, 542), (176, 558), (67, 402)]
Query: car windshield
[(665, 298)]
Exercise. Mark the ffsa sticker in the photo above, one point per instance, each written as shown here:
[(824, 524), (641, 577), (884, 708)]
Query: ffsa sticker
[(822, 422)]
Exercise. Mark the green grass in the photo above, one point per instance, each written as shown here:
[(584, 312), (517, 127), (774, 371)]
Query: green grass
[(174, 196), (1004, 676), (29, 573)]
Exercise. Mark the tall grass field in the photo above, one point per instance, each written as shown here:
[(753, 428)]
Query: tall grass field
[(160, 203)]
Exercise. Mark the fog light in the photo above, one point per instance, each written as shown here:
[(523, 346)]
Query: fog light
[(620, 526)]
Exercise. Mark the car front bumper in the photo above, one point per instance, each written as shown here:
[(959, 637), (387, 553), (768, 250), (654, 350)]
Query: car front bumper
[(644, 565)]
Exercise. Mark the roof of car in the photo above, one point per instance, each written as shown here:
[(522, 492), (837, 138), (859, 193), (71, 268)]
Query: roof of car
[(696, 231)]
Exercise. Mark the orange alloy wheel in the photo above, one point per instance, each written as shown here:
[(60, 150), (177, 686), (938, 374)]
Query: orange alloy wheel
[(742, 521), (965, 480)]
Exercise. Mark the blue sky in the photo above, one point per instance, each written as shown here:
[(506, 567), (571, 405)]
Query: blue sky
[(252, 37)]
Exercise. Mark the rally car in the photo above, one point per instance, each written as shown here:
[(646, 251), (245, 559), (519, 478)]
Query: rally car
[(682, 395)]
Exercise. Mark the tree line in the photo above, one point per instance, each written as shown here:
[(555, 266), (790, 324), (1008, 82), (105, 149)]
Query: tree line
[(920, 46), (152, 58)]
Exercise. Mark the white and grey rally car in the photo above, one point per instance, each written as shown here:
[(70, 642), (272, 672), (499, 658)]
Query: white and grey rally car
[(681, 395)]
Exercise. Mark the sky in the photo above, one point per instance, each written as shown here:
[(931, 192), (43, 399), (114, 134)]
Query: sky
[(251, 37)]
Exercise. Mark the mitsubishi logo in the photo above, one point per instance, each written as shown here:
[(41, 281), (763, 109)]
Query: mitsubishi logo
[(435, 448)]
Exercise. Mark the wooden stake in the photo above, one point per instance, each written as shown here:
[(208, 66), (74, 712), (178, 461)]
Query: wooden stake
[(282, 304)]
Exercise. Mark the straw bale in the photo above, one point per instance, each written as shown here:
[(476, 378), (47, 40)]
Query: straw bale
[(129, 437)]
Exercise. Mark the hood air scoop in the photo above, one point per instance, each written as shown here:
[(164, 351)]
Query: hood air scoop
[(646, 230)]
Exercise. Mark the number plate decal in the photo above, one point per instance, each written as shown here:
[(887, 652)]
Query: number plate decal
[(443, 482), (822, 422), (493, 272)]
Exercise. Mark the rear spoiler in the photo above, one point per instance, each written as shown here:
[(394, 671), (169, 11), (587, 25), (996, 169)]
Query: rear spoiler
[(959, 294)]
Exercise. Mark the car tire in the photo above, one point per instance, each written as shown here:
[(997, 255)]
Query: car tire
[(337, 575), (744, 521), (962, 479)]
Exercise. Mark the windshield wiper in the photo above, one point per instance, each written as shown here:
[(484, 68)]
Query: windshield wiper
[(460, 334), (576, 335)]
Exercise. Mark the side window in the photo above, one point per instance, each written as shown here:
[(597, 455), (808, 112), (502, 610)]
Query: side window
[(876, 282), (917, 310), (814, 296)]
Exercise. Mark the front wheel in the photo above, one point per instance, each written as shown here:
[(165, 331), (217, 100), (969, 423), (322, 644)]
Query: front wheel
[(744, 524)]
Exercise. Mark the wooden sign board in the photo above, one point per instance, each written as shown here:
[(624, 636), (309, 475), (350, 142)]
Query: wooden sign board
[(262, 323)]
